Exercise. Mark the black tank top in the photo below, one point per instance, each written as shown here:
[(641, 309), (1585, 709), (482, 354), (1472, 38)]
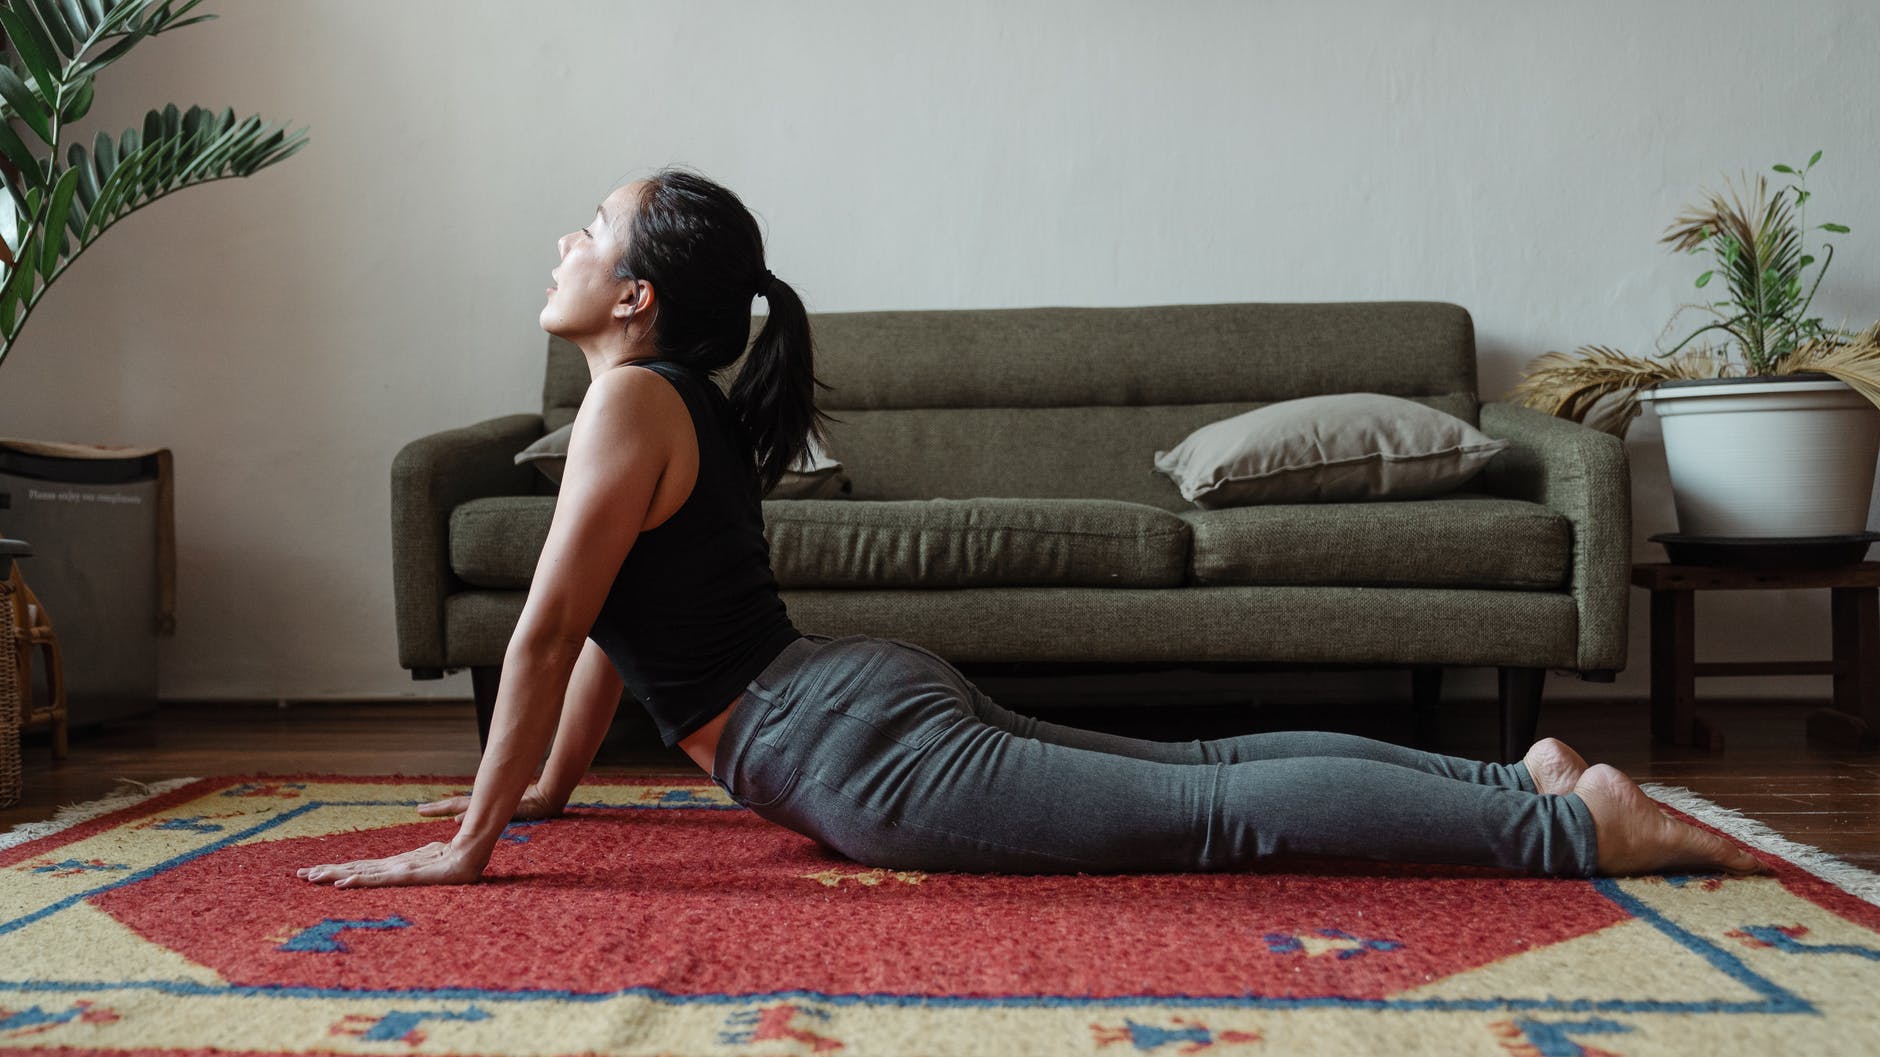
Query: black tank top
[(694, 615)]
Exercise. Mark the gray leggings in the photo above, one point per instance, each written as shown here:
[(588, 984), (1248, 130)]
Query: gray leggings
[(885, 753)]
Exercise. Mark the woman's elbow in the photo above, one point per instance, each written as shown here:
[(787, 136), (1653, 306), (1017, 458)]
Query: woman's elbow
[(553, 649)]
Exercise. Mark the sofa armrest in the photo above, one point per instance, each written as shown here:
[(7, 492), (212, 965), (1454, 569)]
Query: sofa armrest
[(1582, 474), (430, 477)]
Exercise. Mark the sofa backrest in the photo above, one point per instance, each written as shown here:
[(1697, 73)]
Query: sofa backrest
[(1074, 402)]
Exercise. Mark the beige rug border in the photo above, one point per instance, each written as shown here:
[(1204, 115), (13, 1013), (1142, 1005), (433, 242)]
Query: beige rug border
[(129, 792), (1862, 884), (1859, 883)]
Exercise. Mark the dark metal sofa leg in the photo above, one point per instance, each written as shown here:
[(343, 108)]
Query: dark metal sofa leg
[(1520, 710), (1426, 691), (483, 680)]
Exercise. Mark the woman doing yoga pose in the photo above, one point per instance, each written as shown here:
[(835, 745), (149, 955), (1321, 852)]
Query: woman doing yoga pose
[(656, 578)]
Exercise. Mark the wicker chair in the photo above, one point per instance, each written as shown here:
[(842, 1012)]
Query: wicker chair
[(30, 629), (9, 700)]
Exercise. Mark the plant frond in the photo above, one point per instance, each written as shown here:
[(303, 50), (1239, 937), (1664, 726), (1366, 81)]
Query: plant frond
[(1856, 362), (1598, 385), (1572, 385), (1715, 215), (96, 188)]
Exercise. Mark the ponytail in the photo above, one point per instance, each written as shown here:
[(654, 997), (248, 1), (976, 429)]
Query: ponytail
[(702, 251), (774, 394)]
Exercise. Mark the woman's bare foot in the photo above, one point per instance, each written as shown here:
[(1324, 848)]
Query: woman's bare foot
[(1554, 767), (1635, 837)]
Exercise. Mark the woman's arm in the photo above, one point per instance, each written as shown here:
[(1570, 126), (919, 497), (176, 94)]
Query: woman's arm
[(587, 710), (622, 442), (586, 713)]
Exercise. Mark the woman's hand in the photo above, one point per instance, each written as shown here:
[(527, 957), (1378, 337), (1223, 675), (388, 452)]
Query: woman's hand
[(534, 804), (437, 863)]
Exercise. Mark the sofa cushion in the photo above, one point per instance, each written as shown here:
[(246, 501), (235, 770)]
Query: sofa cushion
[(1337, 447), (495, 542), (943, 543), (1461, 540)]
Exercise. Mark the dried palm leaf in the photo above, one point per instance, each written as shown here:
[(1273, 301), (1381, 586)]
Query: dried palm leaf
[(1598, 385), (1856, 362), (1693, 227)]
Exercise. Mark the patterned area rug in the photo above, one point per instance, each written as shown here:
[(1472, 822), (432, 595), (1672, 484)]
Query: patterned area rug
[(659, 918)]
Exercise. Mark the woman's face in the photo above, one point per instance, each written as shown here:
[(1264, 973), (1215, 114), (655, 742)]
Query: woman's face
[(586, 299)]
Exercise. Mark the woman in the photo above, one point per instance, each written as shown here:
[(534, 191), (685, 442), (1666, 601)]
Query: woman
[(655, 577)]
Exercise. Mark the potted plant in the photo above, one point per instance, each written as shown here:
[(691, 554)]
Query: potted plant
[(1771, 418)]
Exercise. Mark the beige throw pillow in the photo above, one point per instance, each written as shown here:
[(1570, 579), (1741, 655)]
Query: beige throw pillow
[(814, 475), (1340, 447), (549, 454)]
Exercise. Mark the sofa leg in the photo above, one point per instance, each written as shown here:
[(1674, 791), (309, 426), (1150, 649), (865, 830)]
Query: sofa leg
[(1520, 710), (483, 680), (1426, 691)]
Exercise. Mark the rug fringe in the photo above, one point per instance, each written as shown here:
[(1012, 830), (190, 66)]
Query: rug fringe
[(1859, 883), (128, 791)]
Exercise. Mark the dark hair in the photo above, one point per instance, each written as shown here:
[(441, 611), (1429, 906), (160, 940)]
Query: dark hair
[(700, 248)]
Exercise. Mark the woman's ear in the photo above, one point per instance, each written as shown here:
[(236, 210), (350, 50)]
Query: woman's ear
[(637, 300), (630, 303)]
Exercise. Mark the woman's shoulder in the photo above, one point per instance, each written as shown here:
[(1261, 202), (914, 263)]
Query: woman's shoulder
[(624, 402), (708, 411)]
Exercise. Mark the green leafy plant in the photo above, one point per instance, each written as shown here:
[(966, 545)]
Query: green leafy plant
[(55, 50), (1756, 243)]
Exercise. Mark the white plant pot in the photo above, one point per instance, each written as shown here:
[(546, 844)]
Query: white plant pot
[(1762, 459)]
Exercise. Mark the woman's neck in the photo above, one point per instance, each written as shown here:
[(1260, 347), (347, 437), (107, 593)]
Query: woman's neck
[(610, 351)]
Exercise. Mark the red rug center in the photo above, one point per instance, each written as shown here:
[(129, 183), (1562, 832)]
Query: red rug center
[(696, 901)]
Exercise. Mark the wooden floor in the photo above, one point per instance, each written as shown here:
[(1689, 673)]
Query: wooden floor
[(1820, 796)]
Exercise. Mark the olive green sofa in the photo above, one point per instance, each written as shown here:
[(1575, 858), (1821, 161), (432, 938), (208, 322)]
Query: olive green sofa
[(1005, 512)]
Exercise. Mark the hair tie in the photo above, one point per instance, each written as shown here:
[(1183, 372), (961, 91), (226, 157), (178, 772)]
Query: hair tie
[(765, 282)]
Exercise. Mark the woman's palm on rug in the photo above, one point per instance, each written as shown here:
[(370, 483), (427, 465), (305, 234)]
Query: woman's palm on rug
[(435, 863)]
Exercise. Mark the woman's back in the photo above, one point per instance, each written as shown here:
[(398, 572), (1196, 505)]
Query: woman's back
[(694, 614)]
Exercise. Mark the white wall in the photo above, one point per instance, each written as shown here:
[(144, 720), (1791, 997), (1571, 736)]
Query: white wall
[(287, 333)]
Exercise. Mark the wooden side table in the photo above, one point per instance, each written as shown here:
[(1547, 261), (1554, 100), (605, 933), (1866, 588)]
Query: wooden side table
[(1854, 719)]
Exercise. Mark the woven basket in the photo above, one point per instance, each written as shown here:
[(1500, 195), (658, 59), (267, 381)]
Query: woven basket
[(10, 691)]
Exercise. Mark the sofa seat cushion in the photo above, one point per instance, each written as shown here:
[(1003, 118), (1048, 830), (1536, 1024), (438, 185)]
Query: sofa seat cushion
[(495, 542), (951, 543), (1460, 540)]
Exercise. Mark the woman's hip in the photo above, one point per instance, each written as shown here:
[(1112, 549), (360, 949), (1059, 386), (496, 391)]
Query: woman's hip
[(852, 712)]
